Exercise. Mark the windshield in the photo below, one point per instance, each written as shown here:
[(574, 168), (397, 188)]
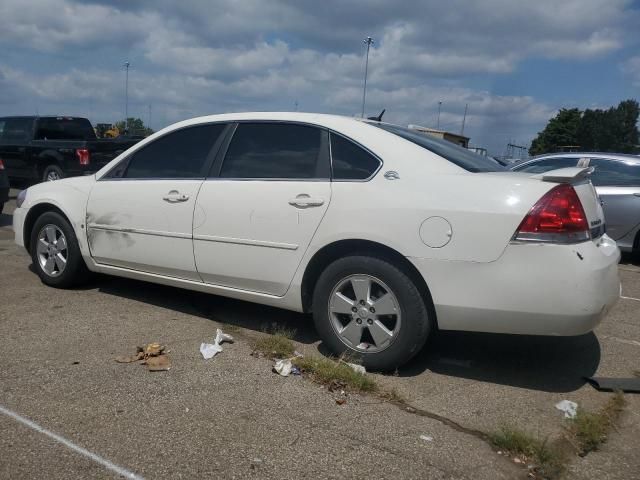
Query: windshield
[(462, 157)]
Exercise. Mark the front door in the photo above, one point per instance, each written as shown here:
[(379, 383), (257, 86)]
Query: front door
[(258, 212), (140, 215)]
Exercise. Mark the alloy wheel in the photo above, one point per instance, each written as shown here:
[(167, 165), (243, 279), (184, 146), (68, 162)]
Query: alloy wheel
[(365, 313), (52, 250)]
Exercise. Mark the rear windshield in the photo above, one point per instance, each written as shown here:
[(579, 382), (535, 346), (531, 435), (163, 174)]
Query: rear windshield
[(64, 128), (462, 157)]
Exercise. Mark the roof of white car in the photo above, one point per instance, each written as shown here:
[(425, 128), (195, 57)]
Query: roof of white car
[(313, 118)]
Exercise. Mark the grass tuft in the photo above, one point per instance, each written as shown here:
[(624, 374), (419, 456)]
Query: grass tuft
[(549, 458), (335, 374), (275, 346), (589, 430)]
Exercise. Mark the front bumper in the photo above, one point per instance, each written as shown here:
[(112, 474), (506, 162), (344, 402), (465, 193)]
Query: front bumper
[(532, 289), (19, 215)]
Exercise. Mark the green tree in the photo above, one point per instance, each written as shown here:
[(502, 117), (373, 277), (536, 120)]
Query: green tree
[(135, 127), (627, 122), (612, 130), (561, 130)]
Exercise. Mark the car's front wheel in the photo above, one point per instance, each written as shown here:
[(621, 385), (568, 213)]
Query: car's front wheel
[(55, 252), (370, 309)]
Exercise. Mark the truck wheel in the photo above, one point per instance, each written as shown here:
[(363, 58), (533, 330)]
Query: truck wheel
[(55, 252), (51, 173), (370, 309)]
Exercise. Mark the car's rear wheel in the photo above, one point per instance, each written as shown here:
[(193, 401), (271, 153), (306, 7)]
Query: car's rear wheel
[(52, 173), (371, 310), (55, 252)]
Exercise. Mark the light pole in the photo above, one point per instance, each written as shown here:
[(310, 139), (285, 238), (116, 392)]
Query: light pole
[(368, 42), (439, 108), (126, 66)]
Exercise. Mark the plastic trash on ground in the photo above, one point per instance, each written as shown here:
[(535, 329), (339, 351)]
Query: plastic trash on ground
[(210, 350), (569, 408), (357, 368), (426, 438), (283, 367)]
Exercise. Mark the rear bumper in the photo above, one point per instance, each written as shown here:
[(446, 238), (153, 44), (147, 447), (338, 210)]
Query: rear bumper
[(531, 289)]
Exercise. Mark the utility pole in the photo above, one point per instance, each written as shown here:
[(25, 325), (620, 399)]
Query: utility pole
[(464, 119), (439, 108), (126, 66), (368, 42)]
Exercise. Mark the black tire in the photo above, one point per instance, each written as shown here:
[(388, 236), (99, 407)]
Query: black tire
[(53, 170), (416, 324), (75, 272), (1, 208)]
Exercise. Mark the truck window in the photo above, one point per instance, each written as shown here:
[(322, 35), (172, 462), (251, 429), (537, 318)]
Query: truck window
[(64, 128), (16, 129)]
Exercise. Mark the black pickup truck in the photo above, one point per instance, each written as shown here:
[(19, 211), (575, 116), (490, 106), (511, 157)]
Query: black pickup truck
[(38, 149)]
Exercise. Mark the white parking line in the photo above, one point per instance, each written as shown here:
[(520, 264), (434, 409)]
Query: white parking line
[(630, 298), (82, 451)]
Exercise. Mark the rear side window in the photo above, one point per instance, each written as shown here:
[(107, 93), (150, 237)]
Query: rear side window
[(547, 164), (17, 129), (64, 128), (615, 173), (349, 161), (180, 154), (275, 150)]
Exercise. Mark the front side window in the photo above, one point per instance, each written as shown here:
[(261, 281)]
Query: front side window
[(547, 164), (275, 151), (615, 173), (350, 161), (179, 154)]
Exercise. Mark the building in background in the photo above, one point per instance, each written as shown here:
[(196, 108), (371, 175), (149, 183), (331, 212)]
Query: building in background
[(449, 136)]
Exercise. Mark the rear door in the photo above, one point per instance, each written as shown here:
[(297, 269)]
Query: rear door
[(258, 211), (15, 135), (140, 215), (618, 185)]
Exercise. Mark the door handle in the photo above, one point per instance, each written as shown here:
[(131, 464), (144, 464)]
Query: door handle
[(304, 201), (175, 196)]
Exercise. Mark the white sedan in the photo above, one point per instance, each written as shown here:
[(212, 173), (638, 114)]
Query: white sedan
[(384, 234)]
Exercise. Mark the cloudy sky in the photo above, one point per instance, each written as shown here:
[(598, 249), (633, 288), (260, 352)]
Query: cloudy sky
[(514, 62)]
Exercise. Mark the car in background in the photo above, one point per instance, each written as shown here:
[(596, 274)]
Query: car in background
[(382, 233), (4, 186), (38, 149), (617, 181)]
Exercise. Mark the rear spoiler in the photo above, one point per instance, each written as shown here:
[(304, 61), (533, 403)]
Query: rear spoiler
[(565, 175)]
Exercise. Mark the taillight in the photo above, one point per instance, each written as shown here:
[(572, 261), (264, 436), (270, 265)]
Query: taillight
[(83, 156), (558, 217), (1, 165)]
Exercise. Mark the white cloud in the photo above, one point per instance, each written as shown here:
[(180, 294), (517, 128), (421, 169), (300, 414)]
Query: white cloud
[(202, 56)]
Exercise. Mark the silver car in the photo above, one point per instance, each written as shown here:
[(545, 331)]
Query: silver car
[(617, 181)]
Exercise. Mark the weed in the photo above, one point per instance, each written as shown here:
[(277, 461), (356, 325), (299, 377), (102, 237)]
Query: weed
[(330, 373), (588, 430), (273, 346), (549, 458)]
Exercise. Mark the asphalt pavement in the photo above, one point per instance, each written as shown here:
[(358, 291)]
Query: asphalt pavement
[(68, 410)]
